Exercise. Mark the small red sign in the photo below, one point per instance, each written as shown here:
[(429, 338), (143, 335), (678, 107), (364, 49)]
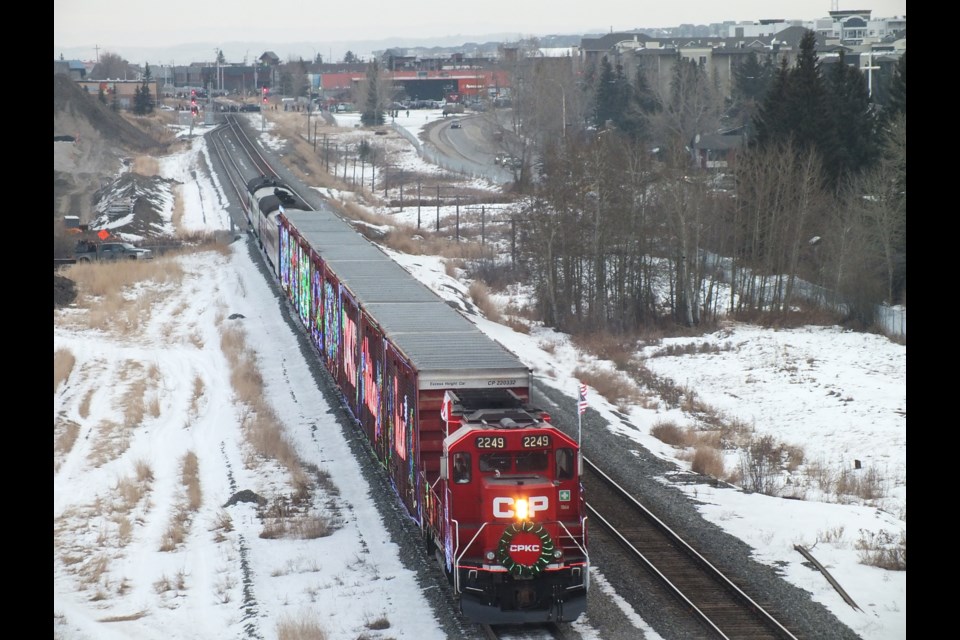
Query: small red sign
[(525, 548), (103, 234)]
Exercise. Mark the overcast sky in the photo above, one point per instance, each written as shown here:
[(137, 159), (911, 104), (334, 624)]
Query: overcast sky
[(114, 24)]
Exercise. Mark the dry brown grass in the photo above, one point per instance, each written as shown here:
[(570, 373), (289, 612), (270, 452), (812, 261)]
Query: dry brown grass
[(102, 281), (619, 349), (480, 294), (287, 516), (127, 618), (134, 409), (177, 215), (65, 437), (708, 461), (866, 484), (109, 295), (517, 324), (110, 440), (166, 583), (670, 433), (883, 550), (63, 363), (614, 386), (378, 624), (190, 476), (146, 166), (304, 629)]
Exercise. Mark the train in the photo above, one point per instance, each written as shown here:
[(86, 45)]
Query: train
[(494, 487)]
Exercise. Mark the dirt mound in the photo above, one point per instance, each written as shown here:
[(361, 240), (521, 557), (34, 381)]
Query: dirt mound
[(64, 291), (101, 139), (72, 105)]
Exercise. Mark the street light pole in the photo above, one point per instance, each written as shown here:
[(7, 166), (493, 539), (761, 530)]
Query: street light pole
[(563, 105)]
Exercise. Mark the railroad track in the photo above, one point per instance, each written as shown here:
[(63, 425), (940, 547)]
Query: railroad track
[(723, 609)]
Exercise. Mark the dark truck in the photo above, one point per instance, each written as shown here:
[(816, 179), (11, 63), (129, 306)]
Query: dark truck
[(87, 251)]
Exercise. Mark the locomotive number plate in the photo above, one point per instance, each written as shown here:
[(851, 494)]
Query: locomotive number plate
[(491, 442), (536, 442)]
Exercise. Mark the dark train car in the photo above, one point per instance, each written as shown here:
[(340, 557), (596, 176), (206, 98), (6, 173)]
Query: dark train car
[(431, 393), (267, 199)]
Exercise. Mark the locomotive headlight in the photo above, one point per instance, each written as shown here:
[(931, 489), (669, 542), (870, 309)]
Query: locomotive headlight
[(520, 508), (557, 553), (491, 555)]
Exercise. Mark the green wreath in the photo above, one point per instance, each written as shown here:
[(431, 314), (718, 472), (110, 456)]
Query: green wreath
[(525, 570)]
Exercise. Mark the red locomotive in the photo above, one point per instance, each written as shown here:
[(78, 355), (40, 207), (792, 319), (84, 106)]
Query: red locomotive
[(506, 516), (494, 487)]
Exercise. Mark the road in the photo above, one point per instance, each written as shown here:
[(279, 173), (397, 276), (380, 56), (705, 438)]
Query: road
[(471, 149)]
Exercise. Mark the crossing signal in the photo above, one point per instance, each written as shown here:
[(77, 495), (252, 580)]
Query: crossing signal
[(264, 95)]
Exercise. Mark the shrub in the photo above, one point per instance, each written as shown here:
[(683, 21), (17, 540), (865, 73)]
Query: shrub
[(669, 433), (480, 294), (707, 461), (289, 629), (883, 550)]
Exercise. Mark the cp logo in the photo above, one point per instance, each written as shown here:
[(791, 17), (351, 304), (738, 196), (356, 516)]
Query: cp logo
[(503, 507)]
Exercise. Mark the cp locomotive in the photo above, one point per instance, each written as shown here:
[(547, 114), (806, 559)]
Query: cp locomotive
[(493, 485)]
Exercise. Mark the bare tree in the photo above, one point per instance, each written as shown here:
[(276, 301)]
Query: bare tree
[(693, 106), (781, 210), (110, 67), (877, 205)]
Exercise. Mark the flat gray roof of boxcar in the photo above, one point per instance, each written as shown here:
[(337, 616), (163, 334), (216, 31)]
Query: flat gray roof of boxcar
[(418, 317), (432, 347), (432, 352), (396, 289), (345, 249)]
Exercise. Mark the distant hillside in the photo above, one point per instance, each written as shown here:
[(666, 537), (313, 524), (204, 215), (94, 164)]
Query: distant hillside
[(75, 109), (249, 51)]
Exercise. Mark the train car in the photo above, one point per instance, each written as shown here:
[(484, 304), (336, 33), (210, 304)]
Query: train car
[(267, 198), (494, 487)]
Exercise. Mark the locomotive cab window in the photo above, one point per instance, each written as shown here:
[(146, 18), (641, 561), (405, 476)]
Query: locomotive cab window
[(461, 468), (532, 461), (564, 463), (495, 462)]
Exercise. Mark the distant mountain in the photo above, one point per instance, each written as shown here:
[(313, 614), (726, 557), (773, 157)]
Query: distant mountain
[(239, 52)]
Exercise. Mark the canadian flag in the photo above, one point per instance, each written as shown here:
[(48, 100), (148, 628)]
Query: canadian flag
[(447, 406)]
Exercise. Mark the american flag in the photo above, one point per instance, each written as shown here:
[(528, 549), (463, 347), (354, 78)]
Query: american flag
[(582, 404)]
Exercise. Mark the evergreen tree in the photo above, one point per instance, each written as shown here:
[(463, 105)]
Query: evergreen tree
[(373, 109), (643, 94), (751, 81), (626, 115), (798, 107), (606, 104), (142, 99), (138, 101), (807, 108), (770, 122), (854, 121), (898, 89), (641, 103)]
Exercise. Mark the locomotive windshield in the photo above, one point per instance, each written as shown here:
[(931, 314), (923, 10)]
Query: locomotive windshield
[(523, 462)]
